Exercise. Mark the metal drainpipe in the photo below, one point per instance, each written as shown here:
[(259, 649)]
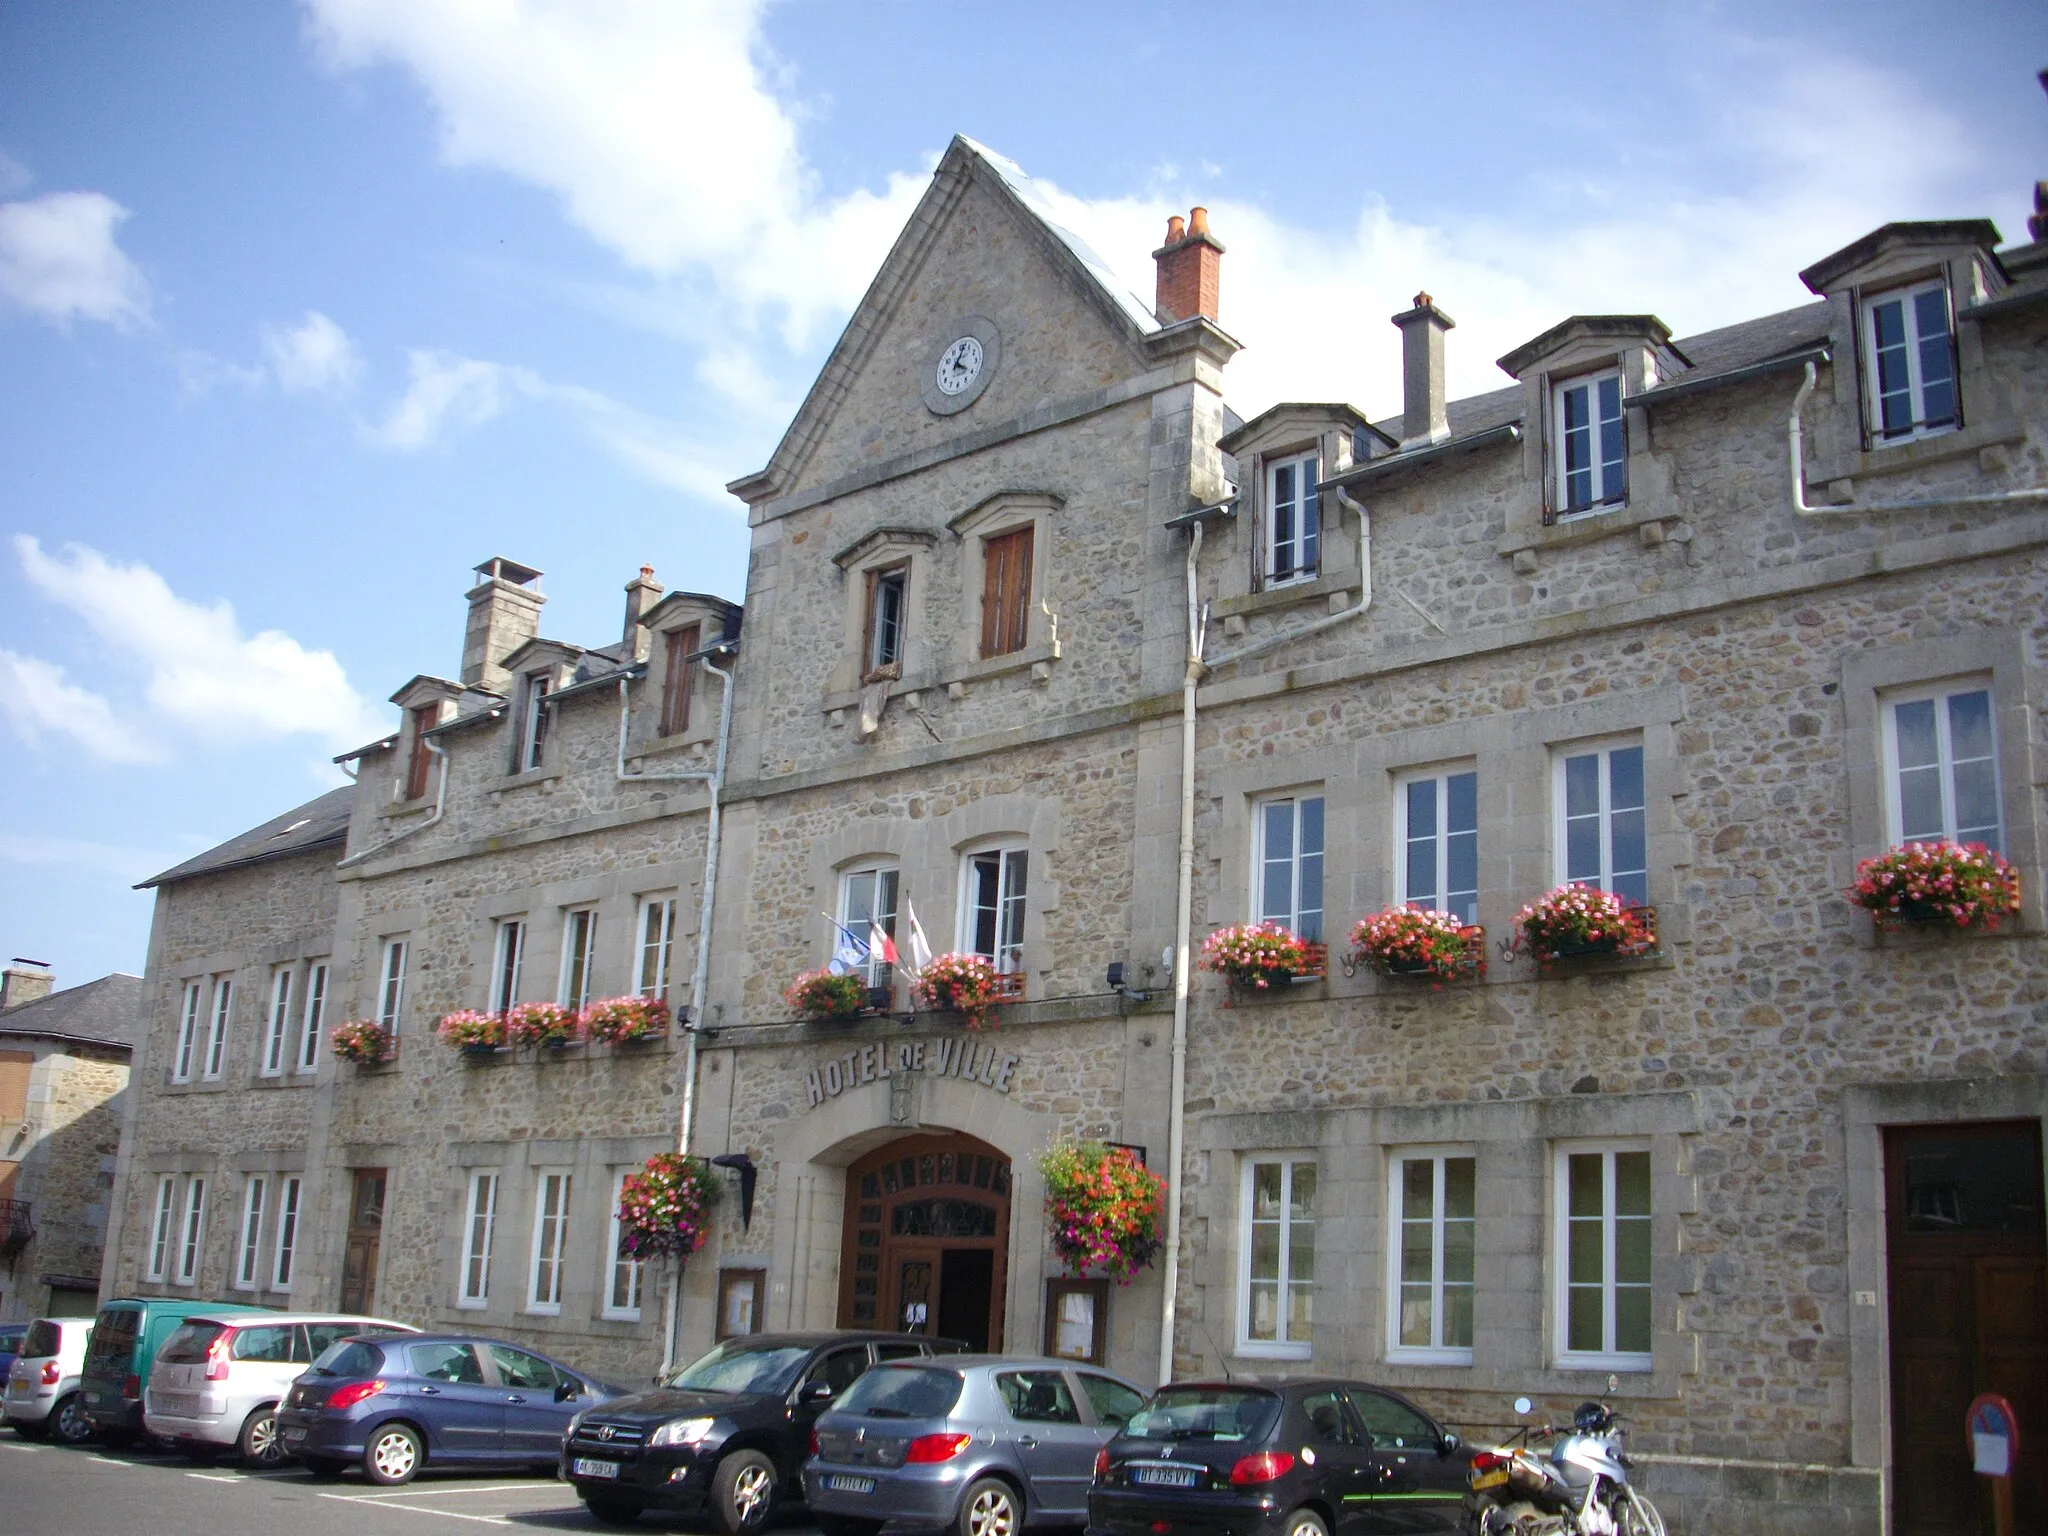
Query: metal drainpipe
[(440, 804), (1328, 621)]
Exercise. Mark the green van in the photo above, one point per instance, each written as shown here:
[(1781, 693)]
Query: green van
[(125, 1339)]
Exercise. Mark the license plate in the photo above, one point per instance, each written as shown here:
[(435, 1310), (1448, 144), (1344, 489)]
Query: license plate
[(294, 1436), (842, 1482), (17, 1389), (1492, 1479), (176, 1402), (1165, 1477), (583, 1466)]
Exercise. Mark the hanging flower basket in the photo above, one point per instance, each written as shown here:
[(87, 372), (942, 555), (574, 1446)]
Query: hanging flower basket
[(827, 995), (471, 1032), (625, 1020), (1103, 1207), (665, 1209), (1258, 956), (1965, 887), (1583, 920), (363, 1041), (542, 1024), (965, 984), (1405, 941)]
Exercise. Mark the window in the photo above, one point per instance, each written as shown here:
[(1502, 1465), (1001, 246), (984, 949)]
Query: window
[(1909, 364), (550, 1232), (1293, 519), (507, 958), (533, 722), (1429, 1255), (1592, 447), (1603, 1248), (622, 1288), (277, 1025), (249, 1261), (1005, 591), (453, 1363), (192, 1232), (287, 1236), (188, 1034), (475, 1290), (217, 1032), (868, 897), (1288, 864), (391, 992), (994, 908), (316, 1009), (522, 1372), (657, 944), (1392, 1425), (1277, 1258), (1328, 1422), (417, 763), (579, 956), (882, 640), (1941, 767), (1601, 836), (1437, 833), (161, 1228), (678, 677), (1038, 1397)]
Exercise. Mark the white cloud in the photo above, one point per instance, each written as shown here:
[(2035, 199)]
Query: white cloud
[(38, 702), (315, 355), (450, 392), (203, 675), (58, 260)]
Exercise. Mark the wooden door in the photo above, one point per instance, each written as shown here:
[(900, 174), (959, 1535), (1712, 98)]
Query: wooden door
[(365, 1235), (911, 1207)]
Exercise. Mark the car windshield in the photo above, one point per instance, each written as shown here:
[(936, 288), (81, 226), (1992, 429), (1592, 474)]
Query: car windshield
[(903, 1392), (351, 1357), (188, 1345), (737, 1368), (1205, 1413)]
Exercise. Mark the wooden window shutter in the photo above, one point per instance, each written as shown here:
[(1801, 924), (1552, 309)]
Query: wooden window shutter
[(677, 675), (416, 765), (15, 1067), (1006, 592)]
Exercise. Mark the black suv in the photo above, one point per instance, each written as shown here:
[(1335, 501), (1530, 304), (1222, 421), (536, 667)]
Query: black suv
[(728, 1434)]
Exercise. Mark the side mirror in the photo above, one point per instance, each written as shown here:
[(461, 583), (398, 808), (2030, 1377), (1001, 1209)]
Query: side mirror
[(1448, 1444), (566, 1390), (815, 1392)]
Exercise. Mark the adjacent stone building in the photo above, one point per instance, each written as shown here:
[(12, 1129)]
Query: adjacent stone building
[(1051, 655)]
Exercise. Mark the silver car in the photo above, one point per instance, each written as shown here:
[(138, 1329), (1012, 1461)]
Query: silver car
[(984, 1444), (42, 1386)]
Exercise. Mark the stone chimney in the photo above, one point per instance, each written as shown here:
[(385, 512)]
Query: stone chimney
[(24, 981), (642, 593), (504, 613), (1189, 265), (1423, 420)]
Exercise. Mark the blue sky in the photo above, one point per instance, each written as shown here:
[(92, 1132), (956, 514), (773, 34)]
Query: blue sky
[(306, 309)]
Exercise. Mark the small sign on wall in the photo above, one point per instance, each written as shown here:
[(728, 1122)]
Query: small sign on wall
[(741, 1293)]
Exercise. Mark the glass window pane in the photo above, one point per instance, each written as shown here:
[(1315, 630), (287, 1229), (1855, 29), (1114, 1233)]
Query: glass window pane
[(1266, 1250), (1632, 1250), (1311, 825), (1585, 1263), (1301, 1251), (1461, 802), (1632, 1319), (1920, 809), (1457, 1317), (1417, 1262), (1631, 1183), (1625, 778), (1303, 1206), (1585, 1180), (1977, 804), (1583, 1320), (1418, 1188), (1582, 849), (1458, 1252), (1417, 1304), (1629, 842), (1266, 1192), (1582, 785), (1300, 1312), (1969, 725), (1914, 724), (1264, 1321), (1460, 1184)]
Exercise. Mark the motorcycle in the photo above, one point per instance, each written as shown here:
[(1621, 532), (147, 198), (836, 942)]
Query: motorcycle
[(1580, 1489)]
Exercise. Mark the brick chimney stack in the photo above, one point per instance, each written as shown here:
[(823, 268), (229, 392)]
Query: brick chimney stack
[(1423, 418), (1189, 265), (642, 593), (24, 981), (504, 613)]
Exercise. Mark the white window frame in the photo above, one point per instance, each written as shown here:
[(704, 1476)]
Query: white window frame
[(508, 962), (479, 1229), (312, 1016), (162, 1227), (391, 985), (883, 642), (874, 971), (249, 1251), (191, 1232), (1940, 695), (1305, 545), (550, 1240), (278, 1023), (1280, 1347), (284, 1252), (622, 1271), (1916, 383), (1439, 837), (534, 689), (657, 930), (1603, 749), (214, 1068), (1012, 908), (188, 1032), (1298, 863), (1605, 496), (1436, 1352), (1560, 1247), (579, 958)]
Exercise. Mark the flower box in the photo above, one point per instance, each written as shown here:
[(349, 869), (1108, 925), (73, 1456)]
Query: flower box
[(624, 1020), (364, 1042), (1257, 957), (1415, 942), (471, 1032), (1009, 986), (540, 1025), (665, 1209), (826, 994), (965, 984), (1938, 884), (1574, 921)]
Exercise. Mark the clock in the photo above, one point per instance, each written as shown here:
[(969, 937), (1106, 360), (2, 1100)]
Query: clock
[(959, 366), (957, 370)]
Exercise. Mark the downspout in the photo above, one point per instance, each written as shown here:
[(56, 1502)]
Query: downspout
[(1328, 621), (440, 804)]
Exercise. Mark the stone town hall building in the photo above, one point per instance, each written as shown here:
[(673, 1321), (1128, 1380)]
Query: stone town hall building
[(1703, 621)]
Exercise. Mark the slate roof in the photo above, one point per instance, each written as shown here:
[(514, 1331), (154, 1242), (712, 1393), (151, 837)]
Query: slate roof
[(316, 824), (106, 1012)]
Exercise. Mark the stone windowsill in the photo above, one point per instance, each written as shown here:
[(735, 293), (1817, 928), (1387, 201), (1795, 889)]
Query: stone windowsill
[(1248, 604), (666, 746), (1900, 458), (210, 1085), (283, 1080), (1043, 652), (393, 810), (1587, 528), (526, 780)]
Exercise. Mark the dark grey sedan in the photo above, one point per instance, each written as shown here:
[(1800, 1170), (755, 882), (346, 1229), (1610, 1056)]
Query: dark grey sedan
[(985, 1444)]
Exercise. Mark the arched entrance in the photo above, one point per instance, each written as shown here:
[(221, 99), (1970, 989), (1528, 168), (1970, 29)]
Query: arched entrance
[(928, 1239)]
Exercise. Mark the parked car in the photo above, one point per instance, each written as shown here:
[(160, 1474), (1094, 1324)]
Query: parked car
[(984, 1444), (394, 1405), (218, 1380), (11, 1335), (42, 1384), (1279, 1458), (728, 1433), (125, 1339)]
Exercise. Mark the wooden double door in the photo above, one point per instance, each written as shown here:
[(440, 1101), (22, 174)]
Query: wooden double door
[(928, 1240), (1968, 1269)]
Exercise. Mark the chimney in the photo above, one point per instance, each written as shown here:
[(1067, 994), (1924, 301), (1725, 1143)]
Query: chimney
[(1422, 373), (24, 981), (1189, 264), (642, 593), (504, 613)]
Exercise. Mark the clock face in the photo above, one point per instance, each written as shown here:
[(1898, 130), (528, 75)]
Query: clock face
[(959, 366)]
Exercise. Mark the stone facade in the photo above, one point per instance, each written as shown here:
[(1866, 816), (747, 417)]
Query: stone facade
[(1743, 637)]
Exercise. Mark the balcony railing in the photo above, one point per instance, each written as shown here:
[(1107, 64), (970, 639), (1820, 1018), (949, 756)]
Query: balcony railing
[(17, 1225)]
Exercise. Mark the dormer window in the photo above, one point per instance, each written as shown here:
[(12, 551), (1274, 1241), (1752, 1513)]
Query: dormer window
[(678, 677), (1909, 364), (419, 759), (1592, 447), (533, 721), (1293, 524), (882, 647)]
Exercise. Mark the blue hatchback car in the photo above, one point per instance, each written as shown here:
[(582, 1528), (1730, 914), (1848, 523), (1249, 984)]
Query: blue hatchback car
[(395, 1405)]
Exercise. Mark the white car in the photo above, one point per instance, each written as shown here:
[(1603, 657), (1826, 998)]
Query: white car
[(218, 1380), (42, 1386)]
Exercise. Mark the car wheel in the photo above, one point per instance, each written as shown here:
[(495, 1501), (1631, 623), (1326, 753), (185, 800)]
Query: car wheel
[(991, 1507), (1306, 1522), (611, 1509), (68, 1422), (323, 1469), (743, 1491), (846, 1525), (259, 1443), (392, 1456)]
